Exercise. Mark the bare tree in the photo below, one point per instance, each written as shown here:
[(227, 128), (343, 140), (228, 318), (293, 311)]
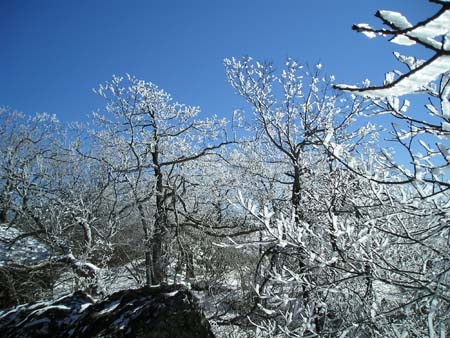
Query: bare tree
[(293, 117), (46, 199), (149, 137)]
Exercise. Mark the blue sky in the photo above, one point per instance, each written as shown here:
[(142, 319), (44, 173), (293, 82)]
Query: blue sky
[(53, 52)]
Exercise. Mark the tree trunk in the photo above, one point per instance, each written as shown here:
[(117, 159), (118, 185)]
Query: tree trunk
[(159, 268), (147, 247), (3, 214), (296, 198), (148, 265), (157, 254), (4, 202), (190, 272)]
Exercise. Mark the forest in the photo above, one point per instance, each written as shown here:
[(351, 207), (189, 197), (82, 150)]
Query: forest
[(323, 210)]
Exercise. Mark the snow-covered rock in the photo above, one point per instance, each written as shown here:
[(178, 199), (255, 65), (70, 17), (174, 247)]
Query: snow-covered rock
[(163, 312)]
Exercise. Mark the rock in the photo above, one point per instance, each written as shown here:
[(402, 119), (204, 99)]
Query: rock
[(163, 312)]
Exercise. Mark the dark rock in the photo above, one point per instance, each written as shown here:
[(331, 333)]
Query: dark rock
[(163, 312)]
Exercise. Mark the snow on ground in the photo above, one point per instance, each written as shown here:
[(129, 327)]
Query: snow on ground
[(24, 251)]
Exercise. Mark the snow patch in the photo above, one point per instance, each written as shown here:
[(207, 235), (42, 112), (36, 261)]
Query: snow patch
[(110, 308)]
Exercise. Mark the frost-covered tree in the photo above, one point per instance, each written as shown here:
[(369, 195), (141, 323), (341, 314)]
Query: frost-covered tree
[(293, 112), (148, 138), (421, 133), (380, 272), (417, 187), (357, 250), (47, 200), (27, 147)]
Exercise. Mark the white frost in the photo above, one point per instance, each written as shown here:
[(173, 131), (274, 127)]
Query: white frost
[(413, 82), (363, 26), (444, 151), (445, 126), (402, 40), (396, 19)]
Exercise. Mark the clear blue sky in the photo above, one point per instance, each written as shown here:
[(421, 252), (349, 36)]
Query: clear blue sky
[(53, 52)]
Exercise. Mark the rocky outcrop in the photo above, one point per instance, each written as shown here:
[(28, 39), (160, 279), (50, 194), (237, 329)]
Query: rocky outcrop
[(163, 312)]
